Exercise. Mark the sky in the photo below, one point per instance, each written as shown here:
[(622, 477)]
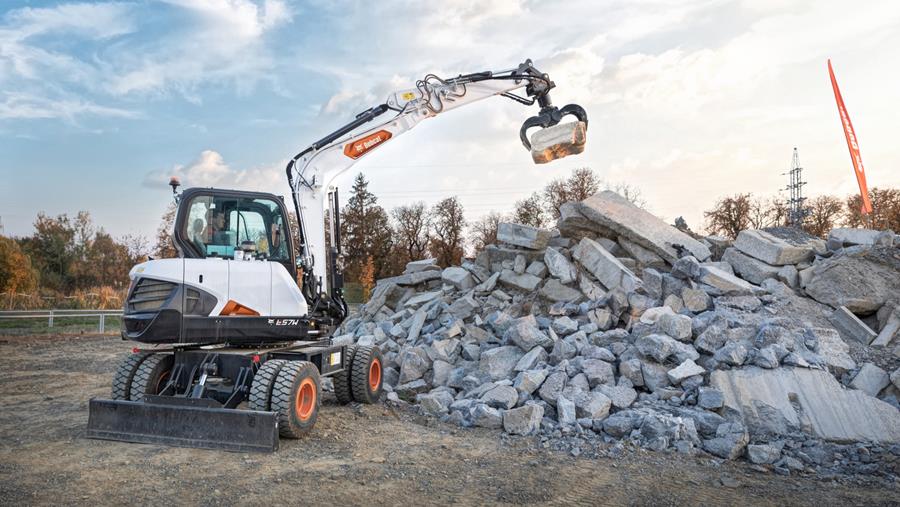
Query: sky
[(101, 102)]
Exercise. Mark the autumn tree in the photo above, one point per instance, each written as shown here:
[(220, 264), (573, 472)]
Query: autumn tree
[(51, 249), (885, 210), (165, 247), (824, 213), (16, 272), (764, 213), (411, 231), (448, 222), (580, 185), (365, 233), (483, 232), (530, 211), (729, 216)]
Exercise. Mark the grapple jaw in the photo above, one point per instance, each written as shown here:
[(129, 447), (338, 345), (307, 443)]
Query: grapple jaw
[(183, 422), (555, 140)]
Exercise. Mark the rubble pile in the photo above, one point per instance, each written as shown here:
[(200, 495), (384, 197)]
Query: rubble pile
[(617, 328)]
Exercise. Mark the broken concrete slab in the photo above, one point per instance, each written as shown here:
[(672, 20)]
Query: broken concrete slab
[(558, 141), (524, 281), (862, 280), (870, 379), (824, 407), (640, 254), (889, 331), (616, 213), (457, 277), (604, 266), (833, 350), (524, 236), (771, 249), (850, 325), (559, 266), (412, 278), (421, 265), (845, 236), (555, 291), (728, 284), (751, 269)]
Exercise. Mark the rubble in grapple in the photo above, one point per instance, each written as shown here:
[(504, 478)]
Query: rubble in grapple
[(618, 328)]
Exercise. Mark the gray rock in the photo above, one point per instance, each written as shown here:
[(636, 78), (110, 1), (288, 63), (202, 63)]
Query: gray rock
[(414, 363), (523, 235), (420, 265), (565, 411), (559, 266), (524, 420), (553, 386), (598, 372), (409, 390), (655, 376), (445, 350), (643, 256), (763, 454), (895, 378), (590, 289), (851, 326), (686, 369), (564, 325), (846, 236), (863, 280), (500, 362), (562, 350), (631, 369), (531, 359), (728, 284), (870, 379), (422, 298), (834, 351), (537, 268), (730, 441), (524, 281), (464, 307), (771, 249), (653, 281), (501, 397), (484, 416), (789, 275), (593, 405), (442, 370), (676, 326), (458, 277), (519, 264), (488, 285), (436, 403), (710, 398), (622, 423), (657, 346), (750, 269), (604, 266), (733, 353), (612, 212), (621, 396), (602, 318), (686, 268), (555, 291), (528, 381), (526, 335), (889, 330), (415, 327)]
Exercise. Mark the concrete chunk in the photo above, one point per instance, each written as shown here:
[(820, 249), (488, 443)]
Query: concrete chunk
[(522, 281), (604, 266), (686, 369), (824, 408), (870, 379), (558, 141), (612, 211), (559, 266), (555, 291), (851, 326), (771, 249), (523, 420), (728, 284), (889, 331), (851, 236), (748, 268), (457, 277), (524, 236)]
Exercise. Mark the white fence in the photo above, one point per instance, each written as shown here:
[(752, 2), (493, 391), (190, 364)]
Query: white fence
[(54, 315)]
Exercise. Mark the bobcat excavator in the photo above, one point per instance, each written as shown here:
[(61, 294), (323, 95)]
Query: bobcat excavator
[(236, 331)]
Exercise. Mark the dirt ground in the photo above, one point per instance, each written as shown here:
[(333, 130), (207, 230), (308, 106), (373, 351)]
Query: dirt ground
[(357, 455)]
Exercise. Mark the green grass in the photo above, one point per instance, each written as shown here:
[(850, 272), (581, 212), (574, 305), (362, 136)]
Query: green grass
[(61, 325)]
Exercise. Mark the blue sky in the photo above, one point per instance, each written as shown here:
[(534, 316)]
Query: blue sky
[(100, 102)]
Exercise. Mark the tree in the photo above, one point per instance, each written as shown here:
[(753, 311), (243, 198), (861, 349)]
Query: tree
[(484, 230), (629, 192), (51, 249), (730, 216), (365, 232), (825, 212), (448, 221), (530, 211), (580, 185), (16, 272), (411, 231), (165, 247), (766, 213), (885, 210)]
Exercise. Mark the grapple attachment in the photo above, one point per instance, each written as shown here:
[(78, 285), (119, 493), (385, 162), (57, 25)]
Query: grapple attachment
[(183, 422), (555, 140)]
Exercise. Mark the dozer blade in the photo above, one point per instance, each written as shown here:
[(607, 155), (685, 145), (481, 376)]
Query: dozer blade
[(179, 422), (558, 141)]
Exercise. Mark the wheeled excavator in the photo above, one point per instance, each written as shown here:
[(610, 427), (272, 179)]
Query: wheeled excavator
[(235, 334)]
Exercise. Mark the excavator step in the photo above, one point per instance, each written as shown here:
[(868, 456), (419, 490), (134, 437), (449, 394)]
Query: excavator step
[(183, 422)]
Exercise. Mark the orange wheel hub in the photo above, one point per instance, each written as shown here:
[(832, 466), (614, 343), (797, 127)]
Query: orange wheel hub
[(375, 374), (306, 399)]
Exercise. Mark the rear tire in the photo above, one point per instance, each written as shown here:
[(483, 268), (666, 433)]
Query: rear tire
[(367, 375), (151, 376), (263, 382), (121, 384), (296, 397), (342, 381)]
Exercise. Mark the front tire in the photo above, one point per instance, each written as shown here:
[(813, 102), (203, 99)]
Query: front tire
[(343, 380), (296, 397), (263, 383), (121, 385), (151, 376), (367, 376)]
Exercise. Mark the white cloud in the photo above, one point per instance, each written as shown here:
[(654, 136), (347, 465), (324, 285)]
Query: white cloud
[(27, 106), (210, 170)]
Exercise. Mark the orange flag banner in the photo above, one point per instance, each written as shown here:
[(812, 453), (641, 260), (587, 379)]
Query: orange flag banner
[(851, 144)]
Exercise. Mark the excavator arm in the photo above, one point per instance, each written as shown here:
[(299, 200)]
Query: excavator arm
[(311, 172)]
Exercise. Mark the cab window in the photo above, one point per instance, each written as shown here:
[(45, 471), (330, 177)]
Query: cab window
[(217, 225)]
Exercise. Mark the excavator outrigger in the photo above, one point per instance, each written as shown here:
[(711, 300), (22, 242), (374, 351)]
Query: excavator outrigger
[(239, 320)]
